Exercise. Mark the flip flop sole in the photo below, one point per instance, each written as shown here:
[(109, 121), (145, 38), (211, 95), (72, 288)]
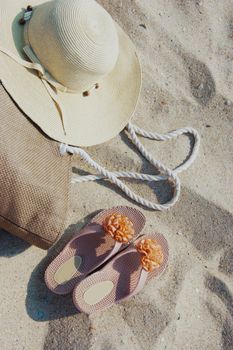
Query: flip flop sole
[(117, 280), (87, 251)]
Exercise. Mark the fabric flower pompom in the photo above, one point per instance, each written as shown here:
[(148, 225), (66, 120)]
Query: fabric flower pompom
[(119, 227), (152, 255)]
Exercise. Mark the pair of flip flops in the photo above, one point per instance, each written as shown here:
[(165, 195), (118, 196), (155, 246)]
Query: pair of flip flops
[(108, 260)]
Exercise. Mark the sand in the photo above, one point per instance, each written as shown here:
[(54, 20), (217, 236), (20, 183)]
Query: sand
[(185, 47)]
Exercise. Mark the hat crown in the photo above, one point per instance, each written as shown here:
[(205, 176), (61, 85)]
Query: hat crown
[(75, 40)]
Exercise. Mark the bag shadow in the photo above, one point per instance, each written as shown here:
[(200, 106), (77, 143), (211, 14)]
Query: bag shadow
[(10, 245)]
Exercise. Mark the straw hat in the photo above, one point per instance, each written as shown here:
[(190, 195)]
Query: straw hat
[(70, 68)]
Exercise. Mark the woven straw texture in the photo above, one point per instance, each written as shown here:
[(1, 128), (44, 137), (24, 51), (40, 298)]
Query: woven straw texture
[(80, 41), (35, 179), (77, 39)]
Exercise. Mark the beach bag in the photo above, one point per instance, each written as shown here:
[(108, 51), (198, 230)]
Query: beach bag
[(35, 179), (36, 175), (66, 96)]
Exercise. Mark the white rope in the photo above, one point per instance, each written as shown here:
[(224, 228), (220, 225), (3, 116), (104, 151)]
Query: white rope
[(133, 129), (166, 173)]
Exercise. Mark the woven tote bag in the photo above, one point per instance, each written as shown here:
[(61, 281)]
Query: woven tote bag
[(35, 180)]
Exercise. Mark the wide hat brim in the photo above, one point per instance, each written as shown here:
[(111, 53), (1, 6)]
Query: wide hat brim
[(89, 120)]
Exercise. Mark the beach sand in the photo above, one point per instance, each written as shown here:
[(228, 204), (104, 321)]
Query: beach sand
[(185, 48)]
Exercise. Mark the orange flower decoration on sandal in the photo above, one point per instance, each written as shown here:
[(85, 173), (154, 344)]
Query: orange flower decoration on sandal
[(152, 255), (119, 227)]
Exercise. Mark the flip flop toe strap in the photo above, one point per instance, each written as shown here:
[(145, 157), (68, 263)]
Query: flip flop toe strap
[(120, 228), (151, 258), (141, 283), (115, 250)]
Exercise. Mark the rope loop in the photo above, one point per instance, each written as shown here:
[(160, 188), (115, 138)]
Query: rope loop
[(165, 172)]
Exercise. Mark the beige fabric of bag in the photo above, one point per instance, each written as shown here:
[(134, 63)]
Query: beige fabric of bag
[(35, 179)]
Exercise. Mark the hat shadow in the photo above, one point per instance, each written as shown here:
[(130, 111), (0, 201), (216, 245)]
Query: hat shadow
[(10, 245), (41, 303)]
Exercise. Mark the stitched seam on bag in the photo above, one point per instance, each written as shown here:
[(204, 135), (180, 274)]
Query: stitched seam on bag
[(35, 234), (62, 227)]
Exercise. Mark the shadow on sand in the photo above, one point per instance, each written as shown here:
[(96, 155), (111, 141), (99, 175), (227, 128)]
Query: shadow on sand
[(11, 246), (41, 303)]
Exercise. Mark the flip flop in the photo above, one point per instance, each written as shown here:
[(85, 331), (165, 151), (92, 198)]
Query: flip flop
[(123, 276), (108, 233)]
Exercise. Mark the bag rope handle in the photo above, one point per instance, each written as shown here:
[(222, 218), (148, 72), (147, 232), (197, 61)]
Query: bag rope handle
[(166, 173)]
